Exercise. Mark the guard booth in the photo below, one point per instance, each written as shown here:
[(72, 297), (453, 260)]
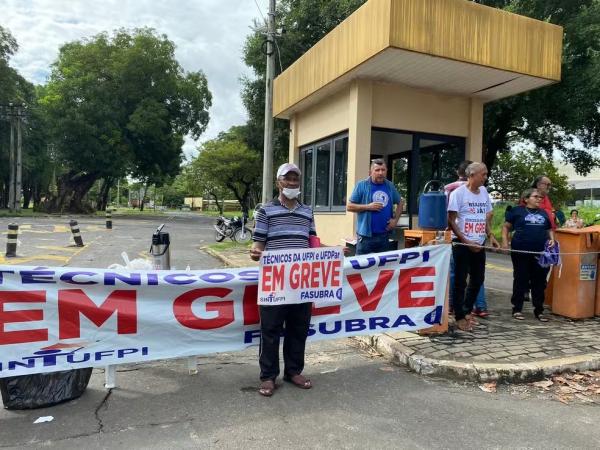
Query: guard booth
[(405, 80)]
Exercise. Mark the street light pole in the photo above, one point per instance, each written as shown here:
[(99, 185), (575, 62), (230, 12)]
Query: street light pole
[(267, 191)]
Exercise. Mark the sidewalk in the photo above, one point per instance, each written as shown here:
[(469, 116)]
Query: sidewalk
[(499, 349)]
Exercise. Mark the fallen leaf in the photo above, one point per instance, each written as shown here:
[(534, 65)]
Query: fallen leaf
[(564, 399), (387, 369), (543, 384), (566, 390), (488, 387), (560, 380), (583, 398), (578, 377), (576, 386)]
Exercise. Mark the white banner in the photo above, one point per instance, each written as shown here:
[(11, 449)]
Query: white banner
[(301, 276), (63, 318)]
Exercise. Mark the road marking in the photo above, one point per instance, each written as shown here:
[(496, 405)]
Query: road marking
[(57, 248), (18, 261), (61, 229), (498, 290), (500, 268)]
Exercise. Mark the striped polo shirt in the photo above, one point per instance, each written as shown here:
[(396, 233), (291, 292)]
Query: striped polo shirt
[(282, 228)]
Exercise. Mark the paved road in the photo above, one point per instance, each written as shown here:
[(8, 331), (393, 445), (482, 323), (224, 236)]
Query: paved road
[(359, 400)]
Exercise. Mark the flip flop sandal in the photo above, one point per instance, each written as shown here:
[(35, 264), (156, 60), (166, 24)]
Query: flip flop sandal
[(518, 316), (267, 388), (542, 318), (464, 325), (298, 380)]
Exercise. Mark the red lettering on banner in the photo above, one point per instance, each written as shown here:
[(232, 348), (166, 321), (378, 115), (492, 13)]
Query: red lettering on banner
[(368, 301), (406, 287), (324, 310), (315, 274), (250, 305), (26, 315), (273, 278), (182, 309), (73, 302), (305, 274)]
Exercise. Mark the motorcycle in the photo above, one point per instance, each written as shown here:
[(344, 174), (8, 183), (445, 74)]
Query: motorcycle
[(234, 228)]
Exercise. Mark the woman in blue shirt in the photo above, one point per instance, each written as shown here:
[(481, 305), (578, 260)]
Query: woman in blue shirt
[(532, 228)]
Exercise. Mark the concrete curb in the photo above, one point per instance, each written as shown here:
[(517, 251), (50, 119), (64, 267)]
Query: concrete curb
[(400, 354), (219, 256)]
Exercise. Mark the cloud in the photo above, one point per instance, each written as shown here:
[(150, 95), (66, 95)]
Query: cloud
[(209, 35)]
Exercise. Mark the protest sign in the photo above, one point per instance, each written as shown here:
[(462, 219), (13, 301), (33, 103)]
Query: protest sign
[(301, 276), (67, 318)]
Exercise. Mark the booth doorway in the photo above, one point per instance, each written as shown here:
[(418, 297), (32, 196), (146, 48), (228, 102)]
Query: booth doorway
[(415, 158)]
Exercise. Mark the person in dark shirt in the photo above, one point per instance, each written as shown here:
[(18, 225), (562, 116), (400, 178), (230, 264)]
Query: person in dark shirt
[(532, 228)]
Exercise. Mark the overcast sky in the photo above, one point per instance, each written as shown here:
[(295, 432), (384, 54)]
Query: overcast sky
[(209, 35)]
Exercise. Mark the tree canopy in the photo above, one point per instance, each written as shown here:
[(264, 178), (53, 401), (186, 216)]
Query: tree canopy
[(119, 105), (515, 172)]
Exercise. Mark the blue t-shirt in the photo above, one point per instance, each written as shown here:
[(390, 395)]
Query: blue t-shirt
[(530, 228), (379, 219)]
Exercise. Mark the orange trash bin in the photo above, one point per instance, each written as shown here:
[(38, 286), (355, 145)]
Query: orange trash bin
[(574, 291)]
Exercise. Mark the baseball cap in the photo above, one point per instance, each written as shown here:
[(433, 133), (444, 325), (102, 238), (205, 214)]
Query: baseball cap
[(286, 168)]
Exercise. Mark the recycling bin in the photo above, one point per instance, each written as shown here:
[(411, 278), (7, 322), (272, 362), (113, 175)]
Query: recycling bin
[(574, 285)]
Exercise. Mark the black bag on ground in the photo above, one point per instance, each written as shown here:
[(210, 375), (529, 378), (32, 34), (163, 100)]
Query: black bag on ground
[(43, 389)]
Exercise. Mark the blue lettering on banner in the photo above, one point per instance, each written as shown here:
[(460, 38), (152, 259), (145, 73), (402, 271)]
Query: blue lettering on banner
[(37, 276), (217, 277), (69, 277), (384, 259), (51, 357), (133, 279)]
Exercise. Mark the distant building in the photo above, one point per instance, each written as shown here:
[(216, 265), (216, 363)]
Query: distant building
[(587, 187)]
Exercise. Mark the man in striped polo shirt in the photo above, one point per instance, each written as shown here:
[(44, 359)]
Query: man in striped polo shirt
[(283, 223)]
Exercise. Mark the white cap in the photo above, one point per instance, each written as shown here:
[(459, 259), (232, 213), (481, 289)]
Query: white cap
[(286, 168)]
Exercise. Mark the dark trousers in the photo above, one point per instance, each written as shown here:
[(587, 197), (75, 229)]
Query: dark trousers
[(377, 243), (527, 273), (471, 264), (295, 319)]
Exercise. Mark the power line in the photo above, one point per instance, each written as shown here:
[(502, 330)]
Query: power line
[(260, 11)]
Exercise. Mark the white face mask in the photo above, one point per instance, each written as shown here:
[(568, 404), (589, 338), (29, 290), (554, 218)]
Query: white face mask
[(291, 193)]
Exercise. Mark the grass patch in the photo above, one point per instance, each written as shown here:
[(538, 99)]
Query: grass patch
[(228, 244), (22, 213)]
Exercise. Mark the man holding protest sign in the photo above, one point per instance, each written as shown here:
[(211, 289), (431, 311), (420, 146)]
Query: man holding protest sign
[(283, 223), (373, 199)]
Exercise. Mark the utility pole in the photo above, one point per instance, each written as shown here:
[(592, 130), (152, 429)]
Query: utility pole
[(18, 181), (11, 164), (14, 115), (267, 191)]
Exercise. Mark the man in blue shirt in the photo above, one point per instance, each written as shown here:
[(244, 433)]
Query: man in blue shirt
[(373, 199)]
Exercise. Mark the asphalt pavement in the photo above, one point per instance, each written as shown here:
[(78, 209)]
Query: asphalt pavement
[(359, 399)]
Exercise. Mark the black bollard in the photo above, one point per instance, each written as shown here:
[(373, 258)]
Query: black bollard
[(108, 219), (76, 234), (11, 240)]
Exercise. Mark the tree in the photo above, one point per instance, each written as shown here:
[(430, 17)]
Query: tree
[(305, 22), (121, 105), (229, 164), (515, 171), (554, 117)]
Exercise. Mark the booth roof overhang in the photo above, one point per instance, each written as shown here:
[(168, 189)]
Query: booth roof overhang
[(454, 47)]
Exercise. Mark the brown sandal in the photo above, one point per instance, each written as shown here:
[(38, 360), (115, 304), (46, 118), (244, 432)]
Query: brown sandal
[(298, 380), (464, 325), (267, 388)]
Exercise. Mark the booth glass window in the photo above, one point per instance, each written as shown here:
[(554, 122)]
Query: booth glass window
[(324, 168)]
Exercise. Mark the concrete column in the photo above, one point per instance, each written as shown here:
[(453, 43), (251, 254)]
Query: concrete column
[(360, 114), (475, 138)]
